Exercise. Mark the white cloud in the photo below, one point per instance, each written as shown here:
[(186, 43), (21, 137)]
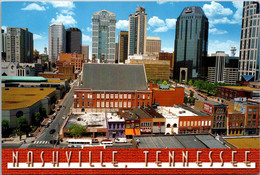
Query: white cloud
[(167, 49), (89, 29), (86, 38), (161, 2), (4, 28), (35, 36), (161, 25), (67, 20), (216, 31), (217, 45), (34, 6), (216, 9), (238, 14), (122, 25), (63, 4), (67, 12), (156, 22)]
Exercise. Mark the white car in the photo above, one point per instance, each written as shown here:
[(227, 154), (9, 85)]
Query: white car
[(64, 117), (120, 140)]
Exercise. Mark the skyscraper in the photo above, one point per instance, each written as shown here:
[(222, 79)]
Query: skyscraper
[(249, 44), (137, 32), (85, 51), (103, 36), (19, 45), (153, 46), (57, 40), (123, 46), (73, 40), (191, 44)]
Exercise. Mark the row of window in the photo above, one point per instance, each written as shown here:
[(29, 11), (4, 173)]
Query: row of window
[(195, 123), (236, 131), (116, 126), (112, 96), (219, 125), (253, 123), (219, 117)]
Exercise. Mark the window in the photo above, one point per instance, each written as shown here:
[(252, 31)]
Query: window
[(83, 95), (98, 104), (249, 110), (102, 104), (111, 96), (77, 104), (138, 96), (168, 125), (116, 96), (175, 125), (120, 104), (110, 126), (180, 123), (254, 116), (116, 104), (98, 96), (102, 95), (148, 96), (125, 96), (209, 123), (124, 104), (122, 126), (249, 117), (202, 123), (184, 123), (111, 104), (198, 123), (143, 96), (120, 96), (107, 104), (248, 123), (156, 124), (253, 123), (191, 123), (90, 95), (138, 104), (107, 96), (195, 123), (206, 123), (88, 104), (255, 110), (83, 104), (129, 96), (129, 104)]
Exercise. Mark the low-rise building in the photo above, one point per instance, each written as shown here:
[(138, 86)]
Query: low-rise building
[(20, 69), (242, 142), (17, 102), (116, 125), (74, 59), (231, 92)]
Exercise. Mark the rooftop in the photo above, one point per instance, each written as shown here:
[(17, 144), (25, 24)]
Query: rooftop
[(23, 78), (216, 104), (244, 141), (165, 112), (16, 98), (91, 120), (176, 111), (241, 88), (134, 114), (114, 117), (179, 141), (114, 77), (55, 80)]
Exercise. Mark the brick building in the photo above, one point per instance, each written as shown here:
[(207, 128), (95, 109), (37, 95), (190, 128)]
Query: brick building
[(231, 92), (218, 111), (112, 86), (168, 96), (75, 59), (168, 56)]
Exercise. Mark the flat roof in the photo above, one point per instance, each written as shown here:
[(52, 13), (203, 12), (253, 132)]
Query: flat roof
[(214, 103), (177, 111), (240, 142), (91, 120), (179, 141), (164, 111), (15, 98), (114, 117), (54, 80), (241, 88), (23, 78)]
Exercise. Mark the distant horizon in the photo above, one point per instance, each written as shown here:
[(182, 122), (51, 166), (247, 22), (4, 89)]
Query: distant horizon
[(224, 20)]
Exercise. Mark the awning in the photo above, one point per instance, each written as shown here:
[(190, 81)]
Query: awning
[(132, 132)]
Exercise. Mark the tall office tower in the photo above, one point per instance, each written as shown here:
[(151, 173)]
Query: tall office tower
[(57, 40), (103, 36), (137, 32), (19, 45), (116, 52), (85, 51), (73, 40), (249, 44), (153, 46), (123, 46), (191, 44)]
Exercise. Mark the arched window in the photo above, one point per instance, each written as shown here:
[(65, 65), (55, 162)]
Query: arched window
[(175, 125), (168, 125)]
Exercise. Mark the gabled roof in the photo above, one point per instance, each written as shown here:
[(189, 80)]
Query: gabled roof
[(114, 77)]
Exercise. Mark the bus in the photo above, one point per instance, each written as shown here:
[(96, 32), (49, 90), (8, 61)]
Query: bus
[(79, 143)]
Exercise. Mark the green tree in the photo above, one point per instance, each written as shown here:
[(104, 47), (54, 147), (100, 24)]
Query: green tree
[(185, 82), (186, 99), (191, 94), (165, 82), (160, 82), (23, 125), (43, 112), (190, 82), (148, 79), (53, 64), (5, 128), (76, 130), (176, 81), (37, 118)]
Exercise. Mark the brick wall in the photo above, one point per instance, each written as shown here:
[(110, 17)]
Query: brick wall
[(131, 155), (168, 97)]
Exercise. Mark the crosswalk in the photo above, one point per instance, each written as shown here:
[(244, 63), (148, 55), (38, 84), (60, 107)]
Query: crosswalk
[(41, 142)]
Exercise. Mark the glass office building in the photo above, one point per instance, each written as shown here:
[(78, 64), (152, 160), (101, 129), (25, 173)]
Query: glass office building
[(191, 44), (103, 36), (73, 40)]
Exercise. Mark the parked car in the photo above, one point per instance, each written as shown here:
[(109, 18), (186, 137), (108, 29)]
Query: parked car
[(53, 117), (52, 131), (64, 117), (54, 114), (95, 141), (47, 125), (120, 140), (107, 142), (50, 121)]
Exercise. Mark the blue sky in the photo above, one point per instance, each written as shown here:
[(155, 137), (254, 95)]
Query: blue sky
[(224, 19)]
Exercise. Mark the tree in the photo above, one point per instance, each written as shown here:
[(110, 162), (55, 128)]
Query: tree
[(191, 94), (176, 81), (53, 64), (190, 82), (43, 112), (165, 82), (186, 99), (148, 79), (37, 119), (76, 130), (160, 82), (23, 125), (185, 82), (5, 128)]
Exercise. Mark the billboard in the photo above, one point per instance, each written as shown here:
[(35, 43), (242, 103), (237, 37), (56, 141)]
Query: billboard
[(208, 108), (239, 107)]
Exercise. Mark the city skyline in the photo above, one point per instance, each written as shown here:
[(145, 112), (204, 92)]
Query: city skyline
[(224, 20)]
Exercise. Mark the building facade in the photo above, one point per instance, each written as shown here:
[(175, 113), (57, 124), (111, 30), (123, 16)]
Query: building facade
[(18, 45), (75, 59), (231, 92), (153, 46), (123, 46), (85, 52), (191, 44), (137, 32), (168, 56), (73, 40), (249, 44), (115, 125), (57, 41), (103, 36)]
